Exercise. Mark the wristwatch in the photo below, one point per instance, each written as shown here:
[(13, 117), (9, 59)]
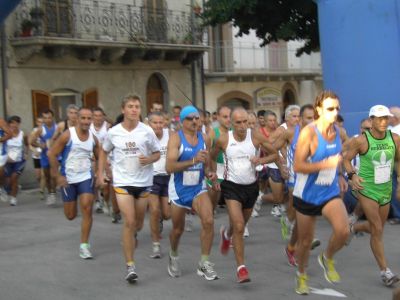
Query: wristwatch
[(350, 175)]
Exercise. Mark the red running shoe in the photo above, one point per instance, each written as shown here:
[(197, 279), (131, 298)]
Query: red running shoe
[(290, 257), (225, 243), (243, 275)]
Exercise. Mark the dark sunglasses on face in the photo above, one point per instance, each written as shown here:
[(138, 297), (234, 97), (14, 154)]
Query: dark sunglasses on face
[(192, 118), (332, 108)]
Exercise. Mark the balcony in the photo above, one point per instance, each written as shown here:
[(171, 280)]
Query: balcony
[(246, 61), (106, 31)]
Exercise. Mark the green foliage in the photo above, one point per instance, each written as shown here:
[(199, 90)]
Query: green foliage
[(272, 20)]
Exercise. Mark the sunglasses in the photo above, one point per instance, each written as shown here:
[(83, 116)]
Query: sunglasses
[(332, 108), (192, 118)]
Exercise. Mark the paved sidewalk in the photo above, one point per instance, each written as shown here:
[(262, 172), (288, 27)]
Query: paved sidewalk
[(39, 259)]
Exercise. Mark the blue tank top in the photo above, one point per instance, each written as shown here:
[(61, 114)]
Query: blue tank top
[(185, 181), (320, 187), (47, 134)]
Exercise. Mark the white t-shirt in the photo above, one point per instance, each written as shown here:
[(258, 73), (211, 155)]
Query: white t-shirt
[(126, 148), (159, 165), (395, 129)]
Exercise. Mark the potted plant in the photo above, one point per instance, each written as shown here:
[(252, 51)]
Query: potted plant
[(26, 27)]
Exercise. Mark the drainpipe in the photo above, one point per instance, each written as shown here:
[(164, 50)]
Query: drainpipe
[(4, 80), (193, 64)]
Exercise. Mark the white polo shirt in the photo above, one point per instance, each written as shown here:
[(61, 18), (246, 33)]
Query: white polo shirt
[(126, 148)]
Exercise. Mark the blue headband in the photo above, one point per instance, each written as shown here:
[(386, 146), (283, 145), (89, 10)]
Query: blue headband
[(188, 110)]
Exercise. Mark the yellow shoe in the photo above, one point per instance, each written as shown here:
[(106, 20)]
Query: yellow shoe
[(329, 269), (302, 284)]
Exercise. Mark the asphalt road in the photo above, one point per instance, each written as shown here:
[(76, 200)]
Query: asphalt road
[(39, 260)]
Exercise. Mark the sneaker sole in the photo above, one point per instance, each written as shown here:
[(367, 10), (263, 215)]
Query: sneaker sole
[(325, 273), (315, 244), (298, 292), (244, 280), (131, 278), (393, 281), (86, 257), (201, 274), (155, 256)]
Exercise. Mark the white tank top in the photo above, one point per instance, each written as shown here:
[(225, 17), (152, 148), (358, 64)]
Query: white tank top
[(238, 167), (101, 133), (76, 163), (159, 165), (15, 147)]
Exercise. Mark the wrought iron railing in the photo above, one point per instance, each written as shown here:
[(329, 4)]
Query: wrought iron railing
[(108, 21), (248, 57)]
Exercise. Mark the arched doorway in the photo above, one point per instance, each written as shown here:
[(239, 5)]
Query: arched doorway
[(234, 99), (156, 91), (235, 102), (289, 95)]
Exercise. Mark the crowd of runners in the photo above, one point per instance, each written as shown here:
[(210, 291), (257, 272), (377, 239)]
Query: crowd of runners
[(184, 164)]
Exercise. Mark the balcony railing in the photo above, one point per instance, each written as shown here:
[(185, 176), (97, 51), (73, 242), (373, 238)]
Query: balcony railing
[(109, 21), (240, 57)]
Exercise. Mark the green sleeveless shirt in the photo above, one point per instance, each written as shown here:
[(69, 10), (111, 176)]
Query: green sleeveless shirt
[(376, 168)]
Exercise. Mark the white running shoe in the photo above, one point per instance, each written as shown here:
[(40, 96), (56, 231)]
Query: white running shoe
[(388, 278), (254, 213), (275, 211), (51, 199), (3, 195), (84, 251), (13, 201), (246, 231), (257, 205)]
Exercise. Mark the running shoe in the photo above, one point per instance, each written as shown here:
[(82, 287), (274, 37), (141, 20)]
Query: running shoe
[(275, 211), (328, 265), (156, 251), (225, 242), (106, 209), (284, 227), (290, 257), (302, 284), (98, 207), (315, 243), (84, 251), (131, 275), (351, 235), (13, 201), (174, 270), (388, 278), (51, 199), (115, 218), (206, 270), (242, 275), (246, 232), (254, 213), (257, 205)]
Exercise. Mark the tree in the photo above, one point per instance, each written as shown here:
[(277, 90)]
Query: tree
[(272, 20)]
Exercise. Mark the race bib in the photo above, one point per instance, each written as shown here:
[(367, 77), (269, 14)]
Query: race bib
[(220, 170), (326, 177), (191, 177), (382, 173), (131, 164), (242, 164)]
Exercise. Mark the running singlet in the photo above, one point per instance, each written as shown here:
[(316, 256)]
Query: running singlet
[(220, 157), (159, 165), (126, 148), (376, 167), (47, 134), (15, 147), (3, 146), (238, 167), (186, 184), (76, 164), (101, 133), (320, 187)]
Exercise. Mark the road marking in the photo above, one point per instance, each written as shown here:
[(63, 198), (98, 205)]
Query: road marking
[(327, 292)]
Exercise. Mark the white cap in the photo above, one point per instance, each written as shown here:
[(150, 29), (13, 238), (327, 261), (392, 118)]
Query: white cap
[(379, 111)]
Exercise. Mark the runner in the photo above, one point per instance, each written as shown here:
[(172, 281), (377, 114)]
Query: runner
[(36, 158), (187, 159), (75, 178), (17, 150), (135, 148), (5, 134), (158, 199), (99, 128), (240, 185), (72, 118), (317, 188), (44, 134), (372, 185)]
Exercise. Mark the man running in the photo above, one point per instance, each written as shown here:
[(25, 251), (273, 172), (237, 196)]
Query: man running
[(240, 186), (5, 134), (135, 148), (187, 162), (44, 134), (378, 148), (316, 190), (75, 178), (158, 199)]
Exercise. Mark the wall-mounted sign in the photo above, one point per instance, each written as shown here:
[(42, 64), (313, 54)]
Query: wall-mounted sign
[(268, 97)]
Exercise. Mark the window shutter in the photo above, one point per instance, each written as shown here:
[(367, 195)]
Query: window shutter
[(41, 100), (90, 98)]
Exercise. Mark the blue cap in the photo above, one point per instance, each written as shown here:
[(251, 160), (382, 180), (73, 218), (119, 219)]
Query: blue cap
[(188, 110)]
